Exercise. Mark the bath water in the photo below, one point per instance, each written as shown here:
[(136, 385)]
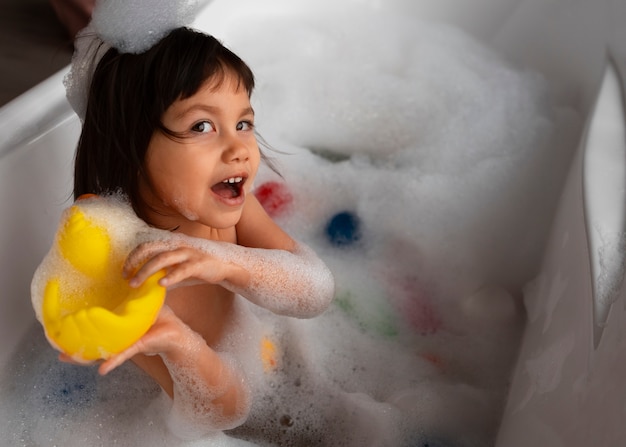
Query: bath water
[(423, 168), (342, 380)]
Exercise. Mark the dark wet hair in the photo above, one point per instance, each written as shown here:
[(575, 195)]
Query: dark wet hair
[(128, 96)]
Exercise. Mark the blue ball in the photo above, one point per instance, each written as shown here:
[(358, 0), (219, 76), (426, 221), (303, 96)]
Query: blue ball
[(343, 229)]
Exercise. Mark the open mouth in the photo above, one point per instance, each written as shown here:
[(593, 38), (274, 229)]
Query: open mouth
[(229, 188)]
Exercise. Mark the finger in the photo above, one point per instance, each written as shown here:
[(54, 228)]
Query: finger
[(113, 362), (140, 254), (162, 261), (183, 272)]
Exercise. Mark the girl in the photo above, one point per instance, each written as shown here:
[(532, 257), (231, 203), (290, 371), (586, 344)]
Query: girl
[(173, 129)]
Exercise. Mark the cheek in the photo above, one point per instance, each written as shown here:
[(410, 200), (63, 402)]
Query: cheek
[(159, 176), (163, 177), (167, 167), (255, 165)]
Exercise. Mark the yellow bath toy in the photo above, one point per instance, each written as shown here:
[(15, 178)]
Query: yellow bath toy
[(87, 308)]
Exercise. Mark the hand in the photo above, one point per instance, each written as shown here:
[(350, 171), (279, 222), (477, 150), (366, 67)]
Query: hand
[(164, 336), (182, 262)]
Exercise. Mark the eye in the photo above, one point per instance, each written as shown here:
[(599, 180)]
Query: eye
[(245, 125), (203, 127)]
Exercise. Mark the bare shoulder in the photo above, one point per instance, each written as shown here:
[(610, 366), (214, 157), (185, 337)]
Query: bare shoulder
[(256, 229)]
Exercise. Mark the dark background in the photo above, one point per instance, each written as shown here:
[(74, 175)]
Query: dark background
[(33, 45)]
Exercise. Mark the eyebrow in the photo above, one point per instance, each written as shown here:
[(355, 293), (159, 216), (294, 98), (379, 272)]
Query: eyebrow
[(210, 109)]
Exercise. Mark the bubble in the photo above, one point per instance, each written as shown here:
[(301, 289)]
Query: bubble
[(432, 138), (286, 420), (133, 26), (73, 386), (428, 441)]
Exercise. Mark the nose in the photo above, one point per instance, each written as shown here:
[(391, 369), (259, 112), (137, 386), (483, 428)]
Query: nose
[(235, 151)]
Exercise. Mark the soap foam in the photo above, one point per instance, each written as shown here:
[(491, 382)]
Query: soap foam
[(434, 142), (193, 414), (133, 26), (452, 160)]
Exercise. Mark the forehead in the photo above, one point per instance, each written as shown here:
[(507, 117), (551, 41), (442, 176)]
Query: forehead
[(225, 80), (216, 94), (222, 81)]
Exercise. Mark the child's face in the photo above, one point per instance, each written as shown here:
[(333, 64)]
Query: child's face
[(204, 177)]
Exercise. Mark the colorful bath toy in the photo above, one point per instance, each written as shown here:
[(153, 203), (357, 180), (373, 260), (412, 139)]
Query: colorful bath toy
[(343, 229), (371, 315), (414, 301), (269, 354), (275, 198), (434, 359), (86, 307)]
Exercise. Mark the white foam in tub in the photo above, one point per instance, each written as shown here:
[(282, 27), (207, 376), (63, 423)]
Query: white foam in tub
[(564, 371)]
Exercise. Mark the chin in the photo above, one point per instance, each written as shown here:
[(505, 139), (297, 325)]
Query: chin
[(224, 222)]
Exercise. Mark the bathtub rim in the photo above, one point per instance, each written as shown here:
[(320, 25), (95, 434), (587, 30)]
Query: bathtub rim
[(18, 128)]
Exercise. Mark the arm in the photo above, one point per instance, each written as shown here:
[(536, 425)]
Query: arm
[(293, 283), (268, 267), (208, 393)]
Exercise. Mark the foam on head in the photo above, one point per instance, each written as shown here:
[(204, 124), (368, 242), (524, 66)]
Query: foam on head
[(130, 26), (133, 26)]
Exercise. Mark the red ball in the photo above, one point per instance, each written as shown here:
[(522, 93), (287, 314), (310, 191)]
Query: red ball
[(274, 197), (414, 301)]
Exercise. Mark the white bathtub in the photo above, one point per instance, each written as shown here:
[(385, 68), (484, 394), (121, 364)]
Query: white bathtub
[(567, 388)]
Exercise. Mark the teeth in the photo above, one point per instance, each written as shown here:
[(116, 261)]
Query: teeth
[(233, 180)]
